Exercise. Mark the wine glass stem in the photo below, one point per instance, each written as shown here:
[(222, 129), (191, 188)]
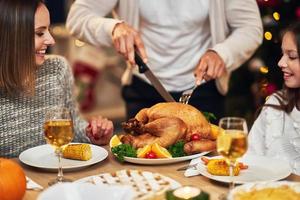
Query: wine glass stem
[(60, 171), (231, 173)]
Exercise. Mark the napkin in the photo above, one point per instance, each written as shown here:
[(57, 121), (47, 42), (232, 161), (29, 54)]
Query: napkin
[(193, 171), (84, 191), (31, 185)]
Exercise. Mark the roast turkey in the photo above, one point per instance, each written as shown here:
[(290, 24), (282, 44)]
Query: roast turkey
[(165, 124)]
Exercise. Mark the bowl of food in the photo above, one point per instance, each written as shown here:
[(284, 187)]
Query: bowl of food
[(276, 190)]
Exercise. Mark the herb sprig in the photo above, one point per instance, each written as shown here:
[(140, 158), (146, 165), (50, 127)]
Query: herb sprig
[(176, 150), (123, 150)]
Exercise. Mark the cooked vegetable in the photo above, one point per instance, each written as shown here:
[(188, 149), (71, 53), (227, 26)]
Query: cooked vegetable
[(195, 136), (219, 167), (151, 155), (77, 152), (124, 150), (176, 150)]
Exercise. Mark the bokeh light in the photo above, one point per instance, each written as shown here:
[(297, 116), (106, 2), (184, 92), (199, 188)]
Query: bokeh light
[(268, 35), (276, 16), (264, 69)]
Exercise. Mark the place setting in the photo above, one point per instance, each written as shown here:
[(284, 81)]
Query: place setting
[(60, 154), (247, 167), (230, 138), (255, 175), (233, 165)]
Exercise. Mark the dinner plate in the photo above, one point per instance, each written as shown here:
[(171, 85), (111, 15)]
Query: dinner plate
[(44, 157), (260, 168), (161, 161)]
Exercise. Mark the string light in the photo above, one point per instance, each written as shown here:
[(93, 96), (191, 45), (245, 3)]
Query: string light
[(264, 69), (57, 30), (268, 35), (276, 16)]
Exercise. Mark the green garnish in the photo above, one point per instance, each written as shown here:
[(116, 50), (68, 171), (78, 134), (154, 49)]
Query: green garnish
[(209, 116), (176, 150), (123, 150)]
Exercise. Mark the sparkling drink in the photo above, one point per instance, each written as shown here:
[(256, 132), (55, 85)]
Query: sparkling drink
[(232, 144), (58, 132)]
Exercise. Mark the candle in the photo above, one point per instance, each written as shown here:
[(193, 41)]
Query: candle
[(187, 192)]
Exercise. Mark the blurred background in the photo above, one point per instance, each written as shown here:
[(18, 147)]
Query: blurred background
[(98, 71)]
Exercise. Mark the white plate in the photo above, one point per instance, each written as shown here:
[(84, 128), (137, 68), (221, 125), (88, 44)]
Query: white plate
[(260, 168), (161, 161), (261, 185), (44, 157)]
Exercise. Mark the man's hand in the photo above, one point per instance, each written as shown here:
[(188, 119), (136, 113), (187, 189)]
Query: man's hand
[(99, 130), (126, 39), (211, 66)]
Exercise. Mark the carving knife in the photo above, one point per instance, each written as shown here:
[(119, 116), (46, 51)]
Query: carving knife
[(144, 69)]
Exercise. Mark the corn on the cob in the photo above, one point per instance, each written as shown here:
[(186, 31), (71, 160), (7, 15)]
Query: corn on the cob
[(77, 151), (219, 167)]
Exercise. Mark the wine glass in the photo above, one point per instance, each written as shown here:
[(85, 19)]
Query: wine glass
[(58, 131), (232, 142)]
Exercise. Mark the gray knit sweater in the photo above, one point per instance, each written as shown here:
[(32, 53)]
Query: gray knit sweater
[(22, 117)]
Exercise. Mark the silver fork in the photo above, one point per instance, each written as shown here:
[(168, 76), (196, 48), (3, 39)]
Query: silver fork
[(186, 95)]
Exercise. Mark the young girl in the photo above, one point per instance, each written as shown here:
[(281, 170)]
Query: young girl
[(276, 132), (31, 83)]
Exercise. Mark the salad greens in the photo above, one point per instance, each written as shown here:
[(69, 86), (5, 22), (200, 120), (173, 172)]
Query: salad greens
[(176, 150), (123, 150)]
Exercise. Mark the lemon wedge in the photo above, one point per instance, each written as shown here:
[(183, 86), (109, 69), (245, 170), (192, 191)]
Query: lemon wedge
[(215, 131), (160, 151), (141, 152), (114, 141)]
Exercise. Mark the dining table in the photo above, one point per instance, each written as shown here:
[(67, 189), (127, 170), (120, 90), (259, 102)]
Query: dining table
[(111, 164)]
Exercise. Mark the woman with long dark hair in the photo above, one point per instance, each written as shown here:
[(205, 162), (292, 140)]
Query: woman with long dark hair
[(32, 82)]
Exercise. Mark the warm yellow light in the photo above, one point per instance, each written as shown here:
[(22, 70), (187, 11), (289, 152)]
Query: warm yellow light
[(264, 69), (79, 43), (57, 30), (268, 35), (276, 16)]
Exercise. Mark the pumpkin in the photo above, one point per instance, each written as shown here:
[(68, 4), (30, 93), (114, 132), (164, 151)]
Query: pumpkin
[(12, 180)]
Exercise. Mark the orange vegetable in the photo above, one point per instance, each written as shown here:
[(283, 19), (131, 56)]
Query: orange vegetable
[(219, 167), (12, 180)]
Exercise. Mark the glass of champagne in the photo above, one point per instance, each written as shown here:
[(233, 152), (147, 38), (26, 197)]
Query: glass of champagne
[(58, 131), (232, 142)]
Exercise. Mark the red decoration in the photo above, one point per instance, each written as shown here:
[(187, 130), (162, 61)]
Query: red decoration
[(298, 12), (268, 3), (85, 77), (271, 88)]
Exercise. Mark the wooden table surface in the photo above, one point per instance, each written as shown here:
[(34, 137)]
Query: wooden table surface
[(110, 164)]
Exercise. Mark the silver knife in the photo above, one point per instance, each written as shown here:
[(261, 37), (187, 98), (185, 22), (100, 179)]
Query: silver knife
[(144, 69)]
